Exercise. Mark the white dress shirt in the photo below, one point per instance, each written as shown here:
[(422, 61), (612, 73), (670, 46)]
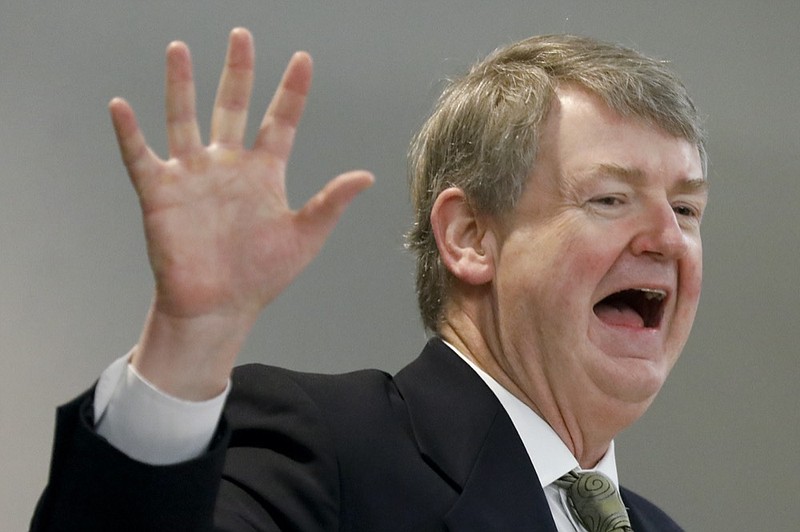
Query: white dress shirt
[(148, 425), (155, 428)]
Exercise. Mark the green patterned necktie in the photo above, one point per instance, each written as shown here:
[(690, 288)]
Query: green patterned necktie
[(595, 502)]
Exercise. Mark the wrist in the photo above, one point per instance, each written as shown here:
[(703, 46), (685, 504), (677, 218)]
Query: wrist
[(190, 358)]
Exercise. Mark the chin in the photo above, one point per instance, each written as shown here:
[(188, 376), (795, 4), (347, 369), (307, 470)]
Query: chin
[(634, 380)]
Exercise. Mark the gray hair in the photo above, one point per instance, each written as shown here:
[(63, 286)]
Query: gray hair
[(483, 134)]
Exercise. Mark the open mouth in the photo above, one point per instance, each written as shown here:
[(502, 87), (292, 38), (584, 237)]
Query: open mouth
[(635, 308)]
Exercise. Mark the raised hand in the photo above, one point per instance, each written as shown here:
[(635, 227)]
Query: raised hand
[(221, 237)]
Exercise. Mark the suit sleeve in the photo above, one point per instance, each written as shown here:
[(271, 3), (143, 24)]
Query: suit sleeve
[(271, 466), (93, 486)]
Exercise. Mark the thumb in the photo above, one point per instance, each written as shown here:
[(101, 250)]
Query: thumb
[(323, 210)]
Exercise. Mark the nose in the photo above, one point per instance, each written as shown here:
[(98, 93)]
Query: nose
[(660, 234)]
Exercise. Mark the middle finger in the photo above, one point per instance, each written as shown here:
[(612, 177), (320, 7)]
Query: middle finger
[(229, 118)]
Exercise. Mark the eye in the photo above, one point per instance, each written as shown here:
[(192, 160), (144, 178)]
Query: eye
[(686, 211), (688, 216), (609, 204), (608, 201)]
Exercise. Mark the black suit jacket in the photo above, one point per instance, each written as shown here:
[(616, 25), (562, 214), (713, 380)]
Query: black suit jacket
[(428, 450)]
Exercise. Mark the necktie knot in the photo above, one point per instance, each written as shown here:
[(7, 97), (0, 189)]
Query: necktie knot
[(595, 502)]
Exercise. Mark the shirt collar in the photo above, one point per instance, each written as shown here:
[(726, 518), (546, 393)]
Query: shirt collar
[(549, 455)]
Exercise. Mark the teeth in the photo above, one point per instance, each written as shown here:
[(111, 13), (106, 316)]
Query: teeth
[(650, 293)]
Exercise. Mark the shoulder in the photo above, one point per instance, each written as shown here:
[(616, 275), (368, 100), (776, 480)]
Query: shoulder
[(262, 380), (259, 390), (292, 434)]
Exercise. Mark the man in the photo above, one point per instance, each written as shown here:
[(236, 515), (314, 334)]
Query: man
[(559, 188)]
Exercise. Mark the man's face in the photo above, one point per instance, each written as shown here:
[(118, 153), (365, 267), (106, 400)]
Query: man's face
[(600, 264)]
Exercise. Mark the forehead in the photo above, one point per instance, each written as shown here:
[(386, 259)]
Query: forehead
[(582, 136)]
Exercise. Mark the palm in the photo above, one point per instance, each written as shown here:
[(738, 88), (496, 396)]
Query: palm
[(221, 237)]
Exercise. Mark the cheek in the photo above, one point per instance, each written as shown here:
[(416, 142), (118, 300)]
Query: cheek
[(582, 258), (691, 280), (553, 271)]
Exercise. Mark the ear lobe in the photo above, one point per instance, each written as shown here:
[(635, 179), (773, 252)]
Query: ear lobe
[(461, 236)]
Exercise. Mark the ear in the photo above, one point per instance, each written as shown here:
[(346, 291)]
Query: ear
[(464, 241)]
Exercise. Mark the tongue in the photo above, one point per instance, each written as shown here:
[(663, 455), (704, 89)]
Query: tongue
[(618, 315)]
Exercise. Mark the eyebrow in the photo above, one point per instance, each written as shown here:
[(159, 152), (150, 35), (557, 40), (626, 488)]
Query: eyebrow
[(635, 176)]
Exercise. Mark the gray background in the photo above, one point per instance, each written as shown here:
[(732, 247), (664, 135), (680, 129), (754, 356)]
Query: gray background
[(719, 448)]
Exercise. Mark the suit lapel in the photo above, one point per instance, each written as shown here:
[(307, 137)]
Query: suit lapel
[(644, 516), (463, 432), (502, 491), (636, 522)]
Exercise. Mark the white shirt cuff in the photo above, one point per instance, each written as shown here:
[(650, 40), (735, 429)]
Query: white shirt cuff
[(148, 425)]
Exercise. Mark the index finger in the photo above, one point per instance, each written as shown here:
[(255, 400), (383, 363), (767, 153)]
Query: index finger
[(277, 131)]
